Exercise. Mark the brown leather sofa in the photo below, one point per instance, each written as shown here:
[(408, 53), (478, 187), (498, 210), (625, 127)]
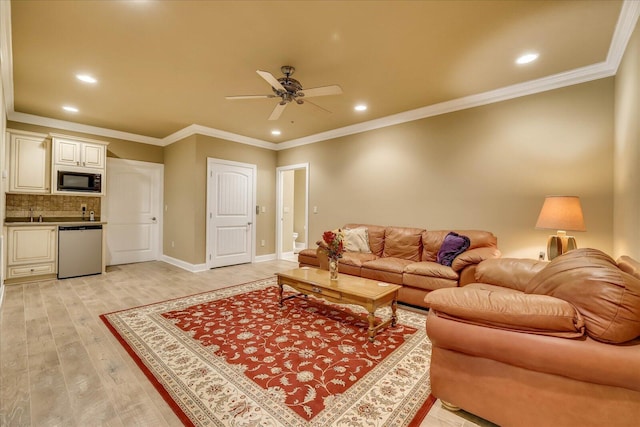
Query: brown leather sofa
[(407, 256), (541, 344)]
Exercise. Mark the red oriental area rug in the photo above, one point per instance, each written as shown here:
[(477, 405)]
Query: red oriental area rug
[(233, 357)]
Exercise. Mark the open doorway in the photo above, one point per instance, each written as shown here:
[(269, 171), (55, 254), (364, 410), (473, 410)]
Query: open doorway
[(293, 210)]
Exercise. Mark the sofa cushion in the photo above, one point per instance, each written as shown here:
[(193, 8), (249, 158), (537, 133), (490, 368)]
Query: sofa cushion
[(516, 311), (403, 243), (426, 283), (392, 265), (356, 259), (376, 236), (356, 240), (489, 287), (453, 245), (432, 269), (514, 273), (607, 297)]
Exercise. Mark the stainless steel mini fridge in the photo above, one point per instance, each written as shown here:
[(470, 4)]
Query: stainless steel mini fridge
[(79, 250)]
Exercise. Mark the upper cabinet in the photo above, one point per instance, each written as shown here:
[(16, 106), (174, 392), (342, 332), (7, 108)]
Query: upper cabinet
[(79, 166), (29, 162), (55, 164), (77, 153)]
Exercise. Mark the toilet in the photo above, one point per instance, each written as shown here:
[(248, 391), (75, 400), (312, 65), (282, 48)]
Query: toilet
[(295, 237)]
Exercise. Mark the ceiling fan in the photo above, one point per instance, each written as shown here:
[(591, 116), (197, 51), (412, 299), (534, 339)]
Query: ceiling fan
[(289, 89)]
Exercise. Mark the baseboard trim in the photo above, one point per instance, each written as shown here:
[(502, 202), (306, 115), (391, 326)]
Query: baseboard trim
[(194, 268), (264, 258), (198, 268)]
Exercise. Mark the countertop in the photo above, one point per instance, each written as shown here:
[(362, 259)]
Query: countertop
[(52, 220)]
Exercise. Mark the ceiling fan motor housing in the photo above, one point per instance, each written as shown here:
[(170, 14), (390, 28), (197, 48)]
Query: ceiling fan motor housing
[(291, 85)]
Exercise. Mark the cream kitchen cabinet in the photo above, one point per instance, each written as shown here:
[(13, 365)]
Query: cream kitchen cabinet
[(31, 252), (29, 163), (79, 153)]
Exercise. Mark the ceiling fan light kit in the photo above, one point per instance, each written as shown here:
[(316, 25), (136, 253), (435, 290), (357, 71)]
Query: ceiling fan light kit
[(289, 89)]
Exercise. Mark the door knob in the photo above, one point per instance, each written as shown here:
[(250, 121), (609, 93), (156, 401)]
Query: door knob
[(153, 219)]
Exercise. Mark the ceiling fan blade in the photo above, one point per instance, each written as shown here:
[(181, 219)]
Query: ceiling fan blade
[(322, 91), (271, 80), (250, 97), (306, 101), (275, 114)]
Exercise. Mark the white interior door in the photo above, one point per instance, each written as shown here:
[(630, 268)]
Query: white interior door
[(230, 201), (133, 211)]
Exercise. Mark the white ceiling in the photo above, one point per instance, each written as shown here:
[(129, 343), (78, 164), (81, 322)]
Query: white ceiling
[(165, 67)]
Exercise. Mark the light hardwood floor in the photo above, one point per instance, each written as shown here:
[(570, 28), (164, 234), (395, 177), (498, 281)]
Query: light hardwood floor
[(60, 366)]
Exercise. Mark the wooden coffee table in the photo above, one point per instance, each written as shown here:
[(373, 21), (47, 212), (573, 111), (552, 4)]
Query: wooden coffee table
[(366, 293)]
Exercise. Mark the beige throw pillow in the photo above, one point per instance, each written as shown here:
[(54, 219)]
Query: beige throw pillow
[(356, 240)]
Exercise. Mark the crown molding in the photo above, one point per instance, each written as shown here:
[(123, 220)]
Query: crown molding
[(625, 26), (624, 29), (216, 133), (78, 127)]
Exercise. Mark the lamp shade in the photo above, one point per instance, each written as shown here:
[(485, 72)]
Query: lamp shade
[(561, 213)]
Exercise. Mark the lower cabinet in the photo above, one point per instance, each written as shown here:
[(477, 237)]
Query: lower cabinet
[(31, 251)]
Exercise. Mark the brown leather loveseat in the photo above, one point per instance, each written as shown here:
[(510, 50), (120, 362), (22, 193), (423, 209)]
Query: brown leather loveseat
[(408, 256), (541, 344)]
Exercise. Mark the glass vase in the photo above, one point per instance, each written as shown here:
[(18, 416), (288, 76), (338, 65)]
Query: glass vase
[(333, 268)]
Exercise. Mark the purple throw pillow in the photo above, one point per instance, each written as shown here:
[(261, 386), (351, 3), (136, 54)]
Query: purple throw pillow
[(452, 246)]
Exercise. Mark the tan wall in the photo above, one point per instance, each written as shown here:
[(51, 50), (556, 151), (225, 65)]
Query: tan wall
[(627, 152), (185, 177), (487, 168), (117, 148), (179, 199)]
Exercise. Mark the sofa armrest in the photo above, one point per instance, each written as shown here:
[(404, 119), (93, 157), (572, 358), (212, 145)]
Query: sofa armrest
[(514, 311), (513, 273), (474, 256)]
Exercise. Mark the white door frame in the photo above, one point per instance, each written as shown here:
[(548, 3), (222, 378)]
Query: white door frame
[(209, 244), (280, 202), (159, 168)]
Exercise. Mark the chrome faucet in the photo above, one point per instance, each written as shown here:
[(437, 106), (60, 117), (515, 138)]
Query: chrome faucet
[(30, 214)]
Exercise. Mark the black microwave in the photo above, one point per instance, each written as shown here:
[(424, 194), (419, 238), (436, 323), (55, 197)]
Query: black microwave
[(79, 181)]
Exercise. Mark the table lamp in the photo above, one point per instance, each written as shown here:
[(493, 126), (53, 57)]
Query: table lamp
[(561, 213)]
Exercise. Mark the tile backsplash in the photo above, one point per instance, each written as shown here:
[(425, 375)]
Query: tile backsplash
[(19, 205)]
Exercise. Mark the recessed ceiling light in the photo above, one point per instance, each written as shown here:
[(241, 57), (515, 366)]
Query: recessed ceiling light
[(86, 78), (527, 58), (275, 132), (70, 109), (360, 107)]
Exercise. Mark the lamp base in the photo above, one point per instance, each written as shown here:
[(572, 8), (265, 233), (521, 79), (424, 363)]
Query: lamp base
[(559, 244)]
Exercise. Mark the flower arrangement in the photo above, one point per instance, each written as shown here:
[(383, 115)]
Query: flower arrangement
[(333, 243)]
